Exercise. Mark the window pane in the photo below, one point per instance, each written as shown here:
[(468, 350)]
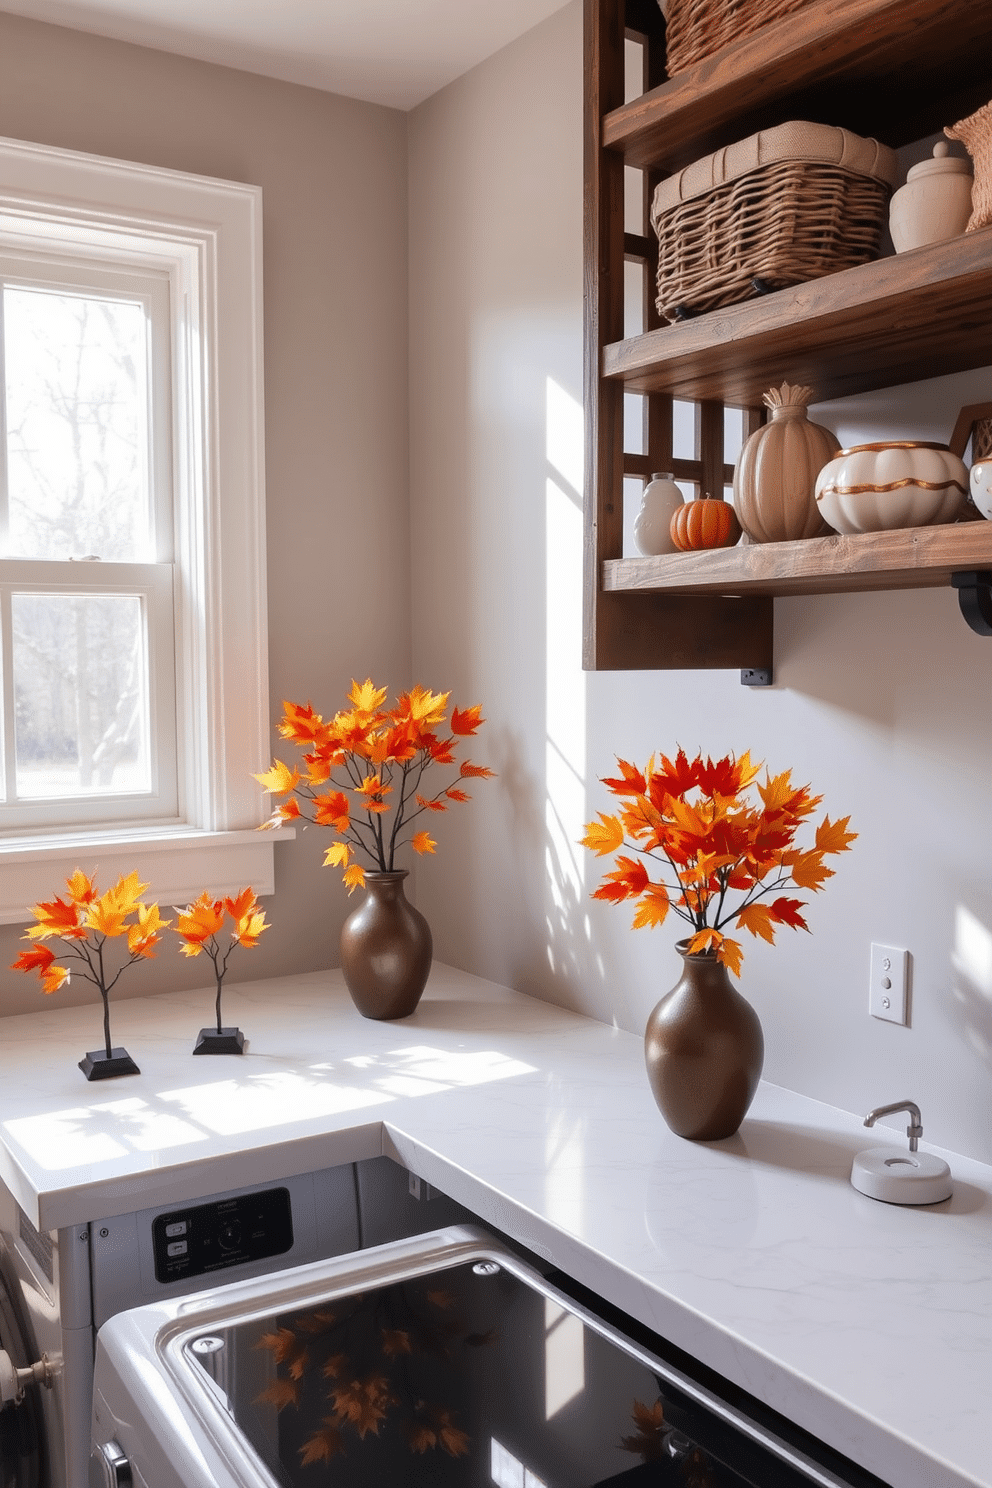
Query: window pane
[(80, 694), (77, 426), (633, 200), (733, 434), (685, 432), (634, 418)]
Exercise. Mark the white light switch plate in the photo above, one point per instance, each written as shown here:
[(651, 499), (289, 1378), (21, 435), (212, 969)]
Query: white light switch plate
[(888, 983)]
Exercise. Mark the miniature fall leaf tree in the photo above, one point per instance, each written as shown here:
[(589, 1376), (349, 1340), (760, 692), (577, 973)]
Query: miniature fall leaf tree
[(365, 769), (86, 922), (201, 923), (721, 852)]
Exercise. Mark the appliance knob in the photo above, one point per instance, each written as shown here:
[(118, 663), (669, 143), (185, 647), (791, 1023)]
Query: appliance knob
[(109, 1468), (229, 1235)]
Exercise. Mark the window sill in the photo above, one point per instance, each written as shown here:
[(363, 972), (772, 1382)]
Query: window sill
[(177, 863)]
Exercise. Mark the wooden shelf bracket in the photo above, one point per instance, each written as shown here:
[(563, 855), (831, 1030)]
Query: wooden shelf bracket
[(975, 598)]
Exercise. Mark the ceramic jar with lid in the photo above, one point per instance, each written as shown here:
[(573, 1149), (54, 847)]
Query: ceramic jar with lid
[(934, 204), (653, 524)]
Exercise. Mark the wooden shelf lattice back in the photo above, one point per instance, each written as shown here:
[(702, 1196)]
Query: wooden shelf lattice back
[(630, 631)]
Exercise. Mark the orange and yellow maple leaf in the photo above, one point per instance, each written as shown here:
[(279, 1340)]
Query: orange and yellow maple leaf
[(468, 771), (467, 721), (280, 779), (653, 908), (603, 836), (365, 697), (198, 922), (786, 912), (834, 836), (757, 918), (631, 781)]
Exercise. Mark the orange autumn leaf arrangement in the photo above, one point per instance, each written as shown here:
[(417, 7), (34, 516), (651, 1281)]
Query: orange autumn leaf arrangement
[(198, 926), (85, 923), (724, 844), (364, 774)]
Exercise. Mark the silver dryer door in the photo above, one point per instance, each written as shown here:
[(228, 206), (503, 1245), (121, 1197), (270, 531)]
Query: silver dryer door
[(440, 1361)]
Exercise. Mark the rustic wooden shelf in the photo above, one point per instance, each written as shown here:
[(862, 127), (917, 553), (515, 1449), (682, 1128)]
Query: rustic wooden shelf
[(893, 69), (898, 70), (900, 319), (914, 558)]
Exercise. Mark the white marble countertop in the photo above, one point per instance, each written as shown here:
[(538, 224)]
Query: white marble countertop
[(869, 1325)]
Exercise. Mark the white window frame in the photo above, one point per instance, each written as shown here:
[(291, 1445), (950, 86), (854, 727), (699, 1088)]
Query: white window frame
[(205, 235)]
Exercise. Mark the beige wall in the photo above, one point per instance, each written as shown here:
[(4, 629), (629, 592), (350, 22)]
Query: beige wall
[(333, 177), (883, 702)]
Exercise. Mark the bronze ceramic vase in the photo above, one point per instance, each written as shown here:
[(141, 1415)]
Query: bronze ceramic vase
[(386, 950), (704, 1050)]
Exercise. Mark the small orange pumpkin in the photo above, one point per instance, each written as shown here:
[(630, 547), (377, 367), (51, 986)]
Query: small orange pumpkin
[(706, 523)]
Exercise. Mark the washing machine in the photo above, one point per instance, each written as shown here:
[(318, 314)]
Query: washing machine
[(351, 1325), (57, 1289), (440, 1361)]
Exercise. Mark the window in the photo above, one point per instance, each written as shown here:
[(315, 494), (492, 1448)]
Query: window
[(87, 626), (133, 677)]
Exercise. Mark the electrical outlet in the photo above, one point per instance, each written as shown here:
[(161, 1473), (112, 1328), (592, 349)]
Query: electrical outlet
[(414, 1186), (887, 987)]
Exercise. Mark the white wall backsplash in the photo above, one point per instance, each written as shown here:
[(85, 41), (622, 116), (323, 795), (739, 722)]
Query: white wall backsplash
[(882, 701)]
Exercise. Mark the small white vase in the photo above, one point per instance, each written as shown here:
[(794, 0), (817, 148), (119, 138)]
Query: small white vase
[(653, 525), (934, 204)]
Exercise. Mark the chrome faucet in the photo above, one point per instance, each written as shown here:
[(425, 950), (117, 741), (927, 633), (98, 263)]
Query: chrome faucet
[(914, 1131)]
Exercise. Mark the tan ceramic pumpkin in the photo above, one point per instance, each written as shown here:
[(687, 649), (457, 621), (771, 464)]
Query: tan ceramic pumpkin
[(776, 471)]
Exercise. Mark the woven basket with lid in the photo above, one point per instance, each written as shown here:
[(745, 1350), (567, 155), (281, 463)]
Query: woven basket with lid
[(786, 205)]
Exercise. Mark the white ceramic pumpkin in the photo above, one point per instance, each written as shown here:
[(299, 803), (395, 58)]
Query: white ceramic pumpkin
[(878, 487)]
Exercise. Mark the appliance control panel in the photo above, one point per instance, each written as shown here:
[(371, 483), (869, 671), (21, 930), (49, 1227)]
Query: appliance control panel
[(225, 1232)]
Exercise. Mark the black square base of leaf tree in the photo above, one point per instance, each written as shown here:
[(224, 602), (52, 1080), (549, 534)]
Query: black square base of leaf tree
[(97, 1065), (227, 1041)]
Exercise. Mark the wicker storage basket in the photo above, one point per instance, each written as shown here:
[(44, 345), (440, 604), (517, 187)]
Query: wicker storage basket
[(976, 133), (789, 204), (698, 27)]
